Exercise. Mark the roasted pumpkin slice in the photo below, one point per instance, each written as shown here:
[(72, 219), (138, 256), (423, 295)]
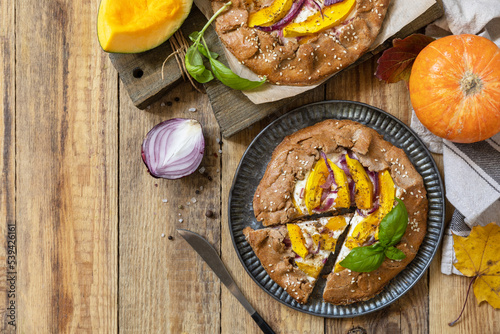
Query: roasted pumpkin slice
[(343, 197), (297, 240), (137, 26), (362, 232), (317, 177), (387, 193), (271, 14), (328, 18), (363, 194), (309, 269), (337, 223), (313, 191)]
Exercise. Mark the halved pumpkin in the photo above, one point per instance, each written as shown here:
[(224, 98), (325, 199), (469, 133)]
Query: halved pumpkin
[(125, 26)]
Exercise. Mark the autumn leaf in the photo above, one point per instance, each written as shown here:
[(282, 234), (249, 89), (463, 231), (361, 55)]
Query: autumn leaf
[(478, 256), (395, 63)]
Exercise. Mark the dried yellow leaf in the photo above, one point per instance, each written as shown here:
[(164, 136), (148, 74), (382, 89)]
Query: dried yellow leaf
[(478, 256)]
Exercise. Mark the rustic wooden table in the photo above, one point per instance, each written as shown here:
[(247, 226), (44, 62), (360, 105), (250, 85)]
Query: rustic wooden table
[(82, 223)]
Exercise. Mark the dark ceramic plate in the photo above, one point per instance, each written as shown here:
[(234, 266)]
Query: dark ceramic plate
[(254, 163)]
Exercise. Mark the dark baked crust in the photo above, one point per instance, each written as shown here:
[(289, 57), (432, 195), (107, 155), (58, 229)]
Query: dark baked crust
[(277, 260), (292, 63)]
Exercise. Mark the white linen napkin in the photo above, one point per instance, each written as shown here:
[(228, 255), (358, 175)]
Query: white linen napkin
[(472, 178), (472, 171)]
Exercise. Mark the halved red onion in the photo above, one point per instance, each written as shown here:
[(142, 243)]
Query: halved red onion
[(332, 2), (174, 148), (292, 13)]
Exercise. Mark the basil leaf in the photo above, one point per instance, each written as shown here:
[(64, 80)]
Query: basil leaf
[(194, 36), (230, 79), (364, 259), (394, 254), (195, 66), (393, 225), (208, 54)]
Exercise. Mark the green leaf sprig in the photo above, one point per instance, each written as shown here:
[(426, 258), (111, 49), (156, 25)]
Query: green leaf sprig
[(391, 230), (196, 68)]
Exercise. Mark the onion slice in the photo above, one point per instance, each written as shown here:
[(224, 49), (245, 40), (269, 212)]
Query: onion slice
[(332, 2), (292, 13), (174, 148)]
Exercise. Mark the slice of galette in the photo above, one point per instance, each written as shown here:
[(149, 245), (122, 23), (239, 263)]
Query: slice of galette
[(293, 255)]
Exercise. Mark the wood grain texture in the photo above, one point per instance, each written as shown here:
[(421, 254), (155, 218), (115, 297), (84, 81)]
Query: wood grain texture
[(91, 256), (66, 177), (164, 286), (234, 317), (7, 166)]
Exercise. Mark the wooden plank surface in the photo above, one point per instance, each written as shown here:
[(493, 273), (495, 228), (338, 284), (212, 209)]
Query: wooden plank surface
[(66, 171), (8, 256), (164, 286), (91, 256)]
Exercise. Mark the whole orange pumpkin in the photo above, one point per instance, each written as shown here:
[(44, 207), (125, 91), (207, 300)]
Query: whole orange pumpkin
[(455, 88)]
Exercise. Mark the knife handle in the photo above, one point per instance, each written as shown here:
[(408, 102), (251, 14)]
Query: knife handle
[(262, 324)]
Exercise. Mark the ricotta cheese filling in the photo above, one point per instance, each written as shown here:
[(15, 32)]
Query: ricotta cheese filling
[(313, 263)]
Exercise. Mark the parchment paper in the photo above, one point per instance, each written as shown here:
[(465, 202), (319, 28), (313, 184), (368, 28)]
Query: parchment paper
[(399, 14)]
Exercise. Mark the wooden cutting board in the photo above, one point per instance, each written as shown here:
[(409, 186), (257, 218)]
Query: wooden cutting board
[(141, 74)]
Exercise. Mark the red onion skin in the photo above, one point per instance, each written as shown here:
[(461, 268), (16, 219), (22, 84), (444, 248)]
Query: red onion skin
[(332, 2), (198, 151)]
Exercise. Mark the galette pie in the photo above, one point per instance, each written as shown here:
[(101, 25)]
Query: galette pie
[(299, 42), (340, 166)]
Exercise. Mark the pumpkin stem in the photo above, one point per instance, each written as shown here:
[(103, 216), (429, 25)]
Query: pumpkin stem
[(471, 84)]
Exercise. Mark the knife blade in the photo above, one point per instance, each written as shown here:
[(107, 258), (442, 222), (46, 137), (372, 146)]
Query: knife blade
[(210, 256)]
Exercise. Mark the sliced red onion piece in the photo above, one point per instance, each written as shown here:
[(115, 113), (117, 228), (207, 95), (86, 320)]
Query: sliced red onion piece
[(308, 241), (374, 178), (360, 212), (345, 168), (318, 6), (330, 171), (316, 251), (287, 242), (371, 240), (174, 148), (326, 205), (332, 2), (292, 13)]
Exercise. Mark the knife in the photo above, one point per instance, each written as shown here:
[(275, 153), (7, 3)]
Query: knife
[(209, 255)]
